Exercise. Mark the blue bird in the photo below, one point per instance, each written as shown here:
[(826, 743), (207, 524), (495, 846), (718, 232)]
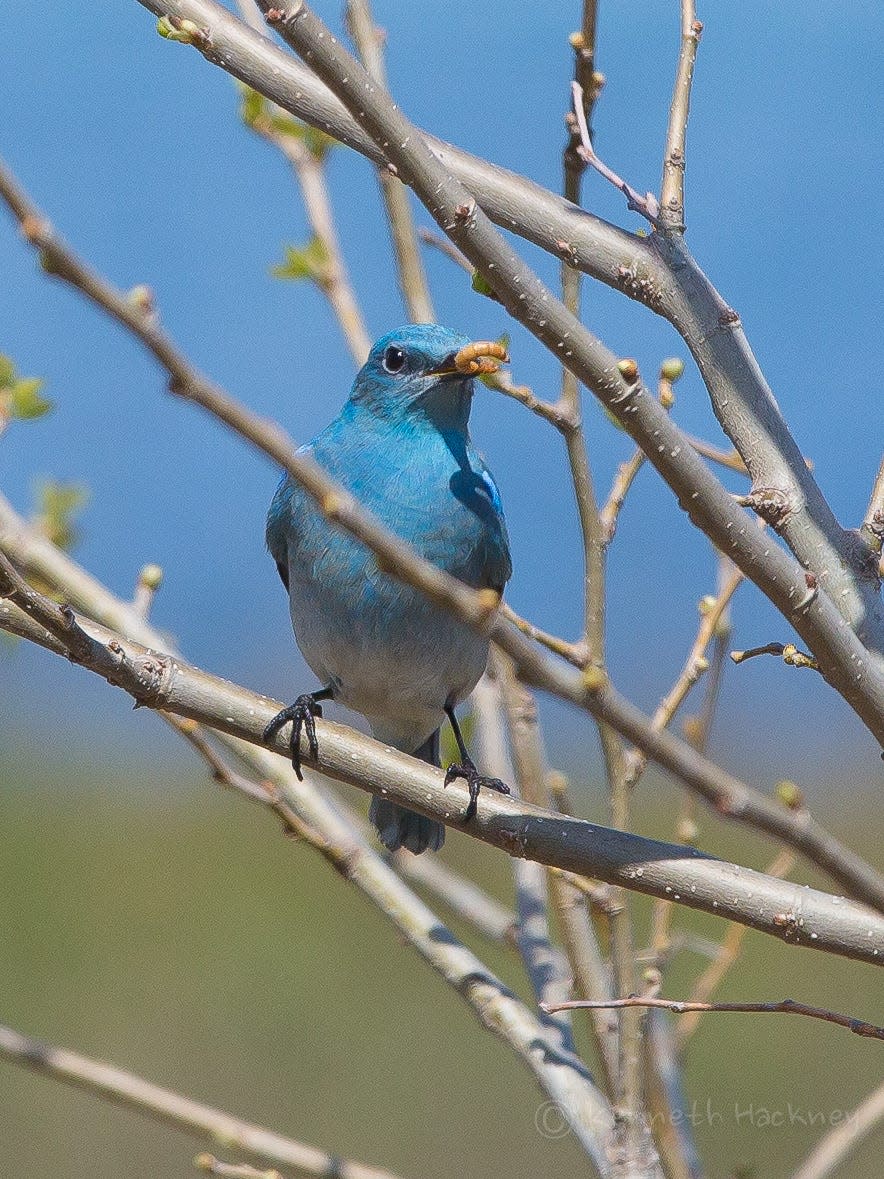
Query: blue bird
[(401, 445)]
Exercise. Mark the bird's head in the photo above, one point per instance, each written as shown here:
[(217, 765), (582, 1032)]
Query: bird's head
[(425, 370)]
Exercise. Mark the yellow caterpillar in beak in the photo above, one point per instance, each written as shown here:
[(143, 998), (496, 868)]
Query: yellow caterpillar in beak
[(480, 357)]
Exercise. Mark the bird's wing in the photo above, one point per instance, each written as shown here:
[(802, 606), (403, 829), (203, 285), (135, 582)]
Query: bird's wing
[(278, 527), (498, 563)]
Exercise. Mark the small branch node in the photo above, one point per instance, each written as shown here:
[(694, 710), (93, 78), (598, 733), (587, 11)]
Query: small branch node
[(595, 678), (187, 32), (772, 504), (628, 369)]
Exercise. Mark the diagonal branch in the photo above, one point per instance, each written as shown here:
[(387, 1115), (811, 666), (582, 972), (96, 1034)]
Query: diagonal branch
[(615, 382), (795, 915), (859, 1027), (214, 1125), (661, 273), (728, 795), (155, 681), (835, 1147)]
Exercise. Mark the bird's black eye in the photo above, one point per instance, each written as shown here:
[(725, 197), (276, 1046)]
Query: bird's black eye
[(394, 359)]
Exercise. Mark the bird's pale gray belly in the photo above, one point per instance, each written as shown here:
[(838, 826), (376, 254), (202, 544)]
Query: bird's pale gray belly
[(391, 654)]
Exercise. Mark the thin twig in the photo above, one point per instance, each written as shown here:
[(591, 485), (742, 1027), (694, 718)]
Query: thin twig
[(725, 458), (712, 612), (671, 215), (331, 275), (190, 1116), (789, 652), (575, 653), (410, 268), (623, 481), (783, 1007), (646, 205), (551, 412), (697, 729), (835, 1147), (444, 246), (590, 82)]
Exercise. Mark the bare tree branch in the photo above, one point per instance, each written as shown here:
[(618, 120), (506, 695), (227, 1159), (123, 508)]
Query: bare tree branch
[(672, 188), (215, 1125), (796, 915), (783, 1007), (834, 1148), (300, 807), (410, 267), (620, 388), (727, 794), (728, 952), (645, 270)]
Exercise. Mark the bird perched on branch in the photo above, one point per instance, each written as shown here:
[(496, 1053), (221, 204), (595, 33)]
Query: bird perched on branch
[(401, 446)]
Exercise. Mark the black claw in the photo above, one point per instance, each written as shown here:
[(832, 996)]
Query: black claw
[(301, 714), (475, 781)]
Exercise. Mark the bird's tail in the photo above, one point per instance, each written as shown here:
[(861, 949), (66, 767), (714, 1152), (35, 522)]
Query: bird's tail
[(398, 827)]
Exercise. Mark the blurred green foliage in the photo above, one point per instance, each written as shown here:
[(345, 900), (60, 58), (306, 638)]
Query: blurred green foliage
[(262, 116), (20, 397), (155, 921), (58, 505), (304, 262)]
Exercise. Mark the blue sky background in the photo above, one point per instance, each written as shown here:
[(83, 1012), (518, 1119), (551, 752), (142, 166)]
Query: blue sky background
[(133, 146)]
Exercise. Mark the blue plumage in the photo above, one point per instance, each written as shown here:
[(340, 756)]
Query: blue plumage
[(401, 445)]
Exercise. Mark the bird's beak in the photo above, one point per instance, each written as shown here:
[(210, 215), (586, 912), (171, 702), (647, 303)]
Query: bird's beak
[(473, 360)]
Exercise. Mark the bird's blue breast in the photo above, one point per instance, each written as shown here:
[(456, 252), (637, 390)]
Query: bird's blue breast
[(356, 625)]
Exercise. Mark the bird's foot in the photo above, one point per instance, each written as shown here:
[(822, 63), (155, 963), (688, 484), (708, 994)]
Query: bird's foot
[(475, 781), (302, 715)]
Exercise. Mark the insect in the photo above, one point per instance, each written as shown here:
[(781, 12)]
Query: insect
[(481, 357)]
